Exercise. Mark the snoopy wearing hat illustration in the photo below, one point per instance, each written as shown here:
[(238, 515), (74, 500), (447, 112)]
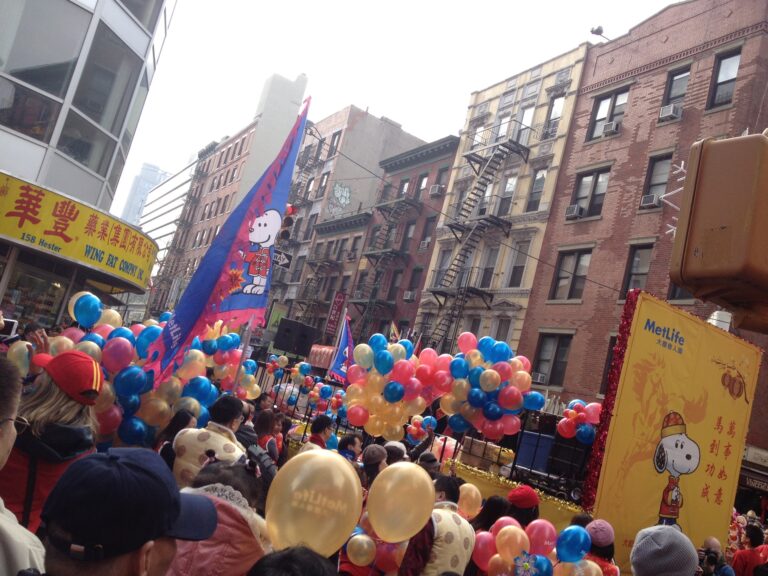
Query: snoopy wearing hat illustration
[(677, 454), (262, 233)]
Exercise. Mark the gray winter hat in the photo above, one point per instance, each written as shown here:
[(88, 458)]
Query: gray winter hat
[(663, 551)]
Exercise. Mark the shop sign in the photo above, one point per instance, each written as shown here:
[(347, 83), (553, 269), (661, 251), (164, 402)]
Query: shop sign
[(334, 315), (754, 483), (59, 225), (756, 455)]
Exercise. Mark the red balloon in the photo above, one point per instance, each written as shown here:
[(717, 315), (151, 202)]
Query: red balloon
[(412, 430), (322, 406), (221, 357), (581, 418), (308, 381), (103, 330), (511, 424), (485, 548), (578, 408), (227, 383), (493, 429), (442, 381), (526, 363), (235, 356), (567, 428), (413, 389), (510, 398), (356, 374), (357, 415), (503, 522), (109, 420), (387, 557), (241, 393), (424, 373), (504, 370), (117, 354), (443, 362), (402, 371), (542, 535)]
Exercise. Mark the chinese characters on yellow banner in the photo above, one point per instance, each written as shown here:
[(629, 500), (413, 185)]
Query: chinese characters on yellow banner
[(57, 224), (674, 446)]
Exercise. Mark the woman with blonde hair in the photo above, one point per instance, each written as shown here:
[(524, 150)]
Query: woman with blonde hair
[(62, 428)]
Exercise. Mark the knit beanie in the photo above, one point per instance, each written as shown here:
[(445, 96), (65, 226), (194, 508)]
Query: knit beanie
[(663, 551), (523, 497), (374, 454), (601, 533)]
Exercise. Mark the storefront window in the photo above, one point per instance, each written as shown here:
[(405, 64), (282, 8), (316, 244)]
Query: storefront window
[(87, 144), (27, 111), (108, 81), (36, 290), (146, 11), (135, 113), (40, 41)]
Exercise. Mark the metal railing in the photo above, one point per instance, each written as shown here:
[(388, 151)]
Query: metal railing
[(494, 205), (477, 277), (390, 194), (515, 131)]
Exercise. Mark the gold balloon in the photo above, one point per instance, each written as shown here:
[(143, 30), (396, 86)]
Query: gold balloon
[(415, 406), (374, 426), (512, 541), (376, 403), (71, 304), (565, 569), (361, 550), (400, 501), (314, 488), (489, 380), (468, 411), (60, 344), (446, 404), (521, 380), (474, 357), (170, 390), (461, 388), (187, 403), (247, 380), (393, 432), (253, 392), (150, 322), (111, 317), (193, 365), (470, 501), (376, 381), (354, 392), (90, 348), (19, 355), (220, 372), (155, 412), (589, 568), (397, 351), (106, 397), (282, 361), (497, 566)]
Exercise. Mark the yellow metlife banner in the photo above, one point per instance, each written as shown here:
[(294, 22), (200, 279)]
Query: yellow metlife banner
[(54, 223), (676, 438)]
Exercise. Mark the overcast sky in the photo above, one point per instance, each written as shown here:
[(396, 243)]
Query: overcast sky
[(414, 61)]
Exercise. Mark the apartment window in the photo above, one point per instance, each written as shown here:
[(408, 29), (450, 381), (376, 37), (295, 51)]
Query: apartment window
[(503, 325), (402, 190), (226, 179), (323, 184), (524, 129), (473, 324), (442, 176), (590, 192), (724, 79), (341, 249), (608, 362), (220, 157), (296, 230), (489, 267), (537, 188), (225, 204), (196, 243), (410, 231), (356, 241), (213, 185), (423, 180), (416, 276), (481, 109), (571, 275), (226, 154), (310, 227), (531, 89), (216, 233), (658, 175), (478, 138), (507, 99), (361, 281), (677, 84), (553, 119), (678, 293), (552, 357), (507, 196), (394, 286), (334, 147), (429, 227), (502, 128), (637, 268), (609, 108), (319, 151), (345, 282), (330, 288), (310, 186), (519, 258), (216, 211), (328, 248), (443, 260)]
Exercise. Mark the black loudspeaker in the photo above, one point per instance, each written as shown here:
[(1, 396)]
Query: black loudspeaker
[(568, 458), (294, 337)]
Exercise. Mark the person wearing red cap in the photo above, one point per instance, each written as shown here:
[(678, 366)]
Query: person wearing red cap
[(523, 504), (59, 408)]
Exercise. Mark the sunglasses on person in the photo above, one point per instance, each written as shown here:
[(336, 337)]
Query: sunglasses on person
[(20, 423)]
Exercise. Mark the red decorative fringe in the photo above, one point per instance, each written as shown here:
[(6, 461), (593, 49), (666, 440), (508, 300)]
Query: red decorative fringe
[(598, 448)]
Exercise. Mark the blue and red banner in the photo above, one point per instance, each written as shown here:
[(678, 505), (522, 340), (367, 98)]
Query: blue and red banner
[(232, 281), (343, 358)]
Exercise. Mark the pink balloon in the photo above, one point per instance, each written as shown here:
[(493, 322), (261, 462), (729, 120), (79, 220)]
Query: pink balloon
[(234, 356), (567, 427), (356, 374), (117, 354), (424, 373), (227, 383), (357, 415), (428, 356), (241, 393), (443, 381), (103, 330), (136, 329), (542, 535), (73, 333), (526, 363), (503, 522), (504, 370), (413, 388), (510, 398), (109, 420), (493, 429), (443, 447), (466, 341), (593, 410), (402, 371), (485, 548), (443, 362), (308, 381), (386, 557), (221, 357), (511, 424)]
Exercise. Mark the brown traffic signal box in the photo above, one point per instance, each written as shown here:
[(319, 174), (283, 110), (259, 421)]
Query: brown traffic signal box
[(720, 252)]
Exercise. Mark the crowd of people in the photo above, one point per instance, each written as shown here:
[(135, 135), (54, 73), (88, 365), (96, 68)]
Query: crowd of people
[(195, 504)]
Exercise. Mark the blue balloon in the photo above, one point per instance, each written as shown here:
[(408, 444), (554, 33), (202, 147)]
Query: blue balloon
[(492, 396), (273, 357), (459, 368), (573, 543), (317, 379), (130, 381), (130, 404), (378, 342), (196, 344), (394, 392), (326, 392), (213, 395), (459, 355), (95, 338), (235, 337), (224, 342), (342, 412), (305, 368), (150, 383), (292, 400), (585, 434), (165, 316), (132, 431), (249, 366), (383, 361), (88, 310), (542, 566), (492, 411), (476, 398), (429, 422), (485, 345), (458, 423), (204, 417), (534, 401), (210, 347), (278, 373), (145, 339), (474, 376), (303, 390), (332, 443), (123, 332), (408, 345), (572, 403), (198, 388), (501, 352)]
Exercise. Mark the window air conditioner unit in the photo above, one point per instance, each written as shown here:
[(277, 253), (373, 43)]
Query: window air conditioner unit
[(539, 378), (574, 212), (670, 112), (409, 295), (351, 256), (611, 128), (649, 201), (358, 295), (436, 190), (424, 244)]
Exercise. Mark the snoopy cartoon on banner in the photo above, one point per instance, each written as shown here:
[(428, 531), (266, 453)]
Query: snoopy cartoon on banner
[(262, 233), (677, 454)]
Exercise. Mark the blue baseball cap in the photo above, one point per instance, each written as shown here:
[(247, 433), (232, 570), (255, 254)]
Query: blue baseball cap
[(109, 504)]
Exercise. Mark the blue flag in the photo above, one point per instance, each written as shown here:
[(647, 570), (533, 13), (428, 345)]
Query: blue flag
[(343, 358)]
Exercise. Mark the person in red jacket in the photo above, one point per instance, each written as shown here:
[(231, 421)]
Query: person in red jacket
[(59, 408), (745, 561)]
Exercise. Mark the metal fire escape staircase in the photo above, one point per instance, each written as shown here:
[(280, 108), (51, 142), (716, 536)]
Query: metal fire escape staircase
[(452, 287)]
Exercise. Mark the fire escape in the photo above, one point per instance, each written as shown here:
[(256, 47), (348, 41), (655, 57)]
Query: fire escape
[(471, 217), (387, 248)]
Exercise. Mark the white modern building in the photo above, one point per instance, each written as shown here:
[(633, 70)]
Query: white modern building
[(148, 178)]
